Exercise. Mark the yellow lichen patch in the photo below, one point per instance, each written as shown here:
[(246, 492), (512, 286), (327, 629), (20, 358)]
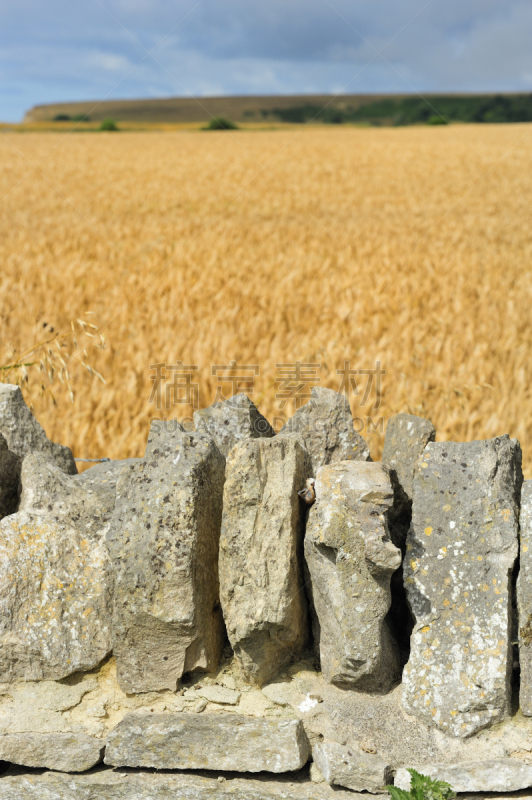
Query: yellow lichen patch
[(447, 507), (428, 531), (424, 465), (426, 629)]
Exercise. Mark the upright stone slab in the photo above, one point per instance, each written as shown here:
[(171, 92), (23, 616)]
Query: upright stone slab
[(327, 428), (404, 444), (10, 465), (25, 435), (208, 741), (524, 600), (351, 559), (461, 550), (230, 422), (164, 546), (261, 584), (55, 578)]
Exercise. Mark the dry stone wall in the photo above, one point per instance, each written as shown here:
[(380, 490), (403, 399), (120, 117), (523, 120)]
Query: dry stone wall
[(276, 610)]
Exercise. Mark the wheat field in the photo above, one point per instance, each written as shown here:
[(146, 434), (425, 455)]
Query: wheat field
[(411, 247)]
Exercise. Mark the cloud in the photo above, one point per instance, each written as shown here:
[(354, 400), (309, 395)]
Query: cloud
[(52, 50)]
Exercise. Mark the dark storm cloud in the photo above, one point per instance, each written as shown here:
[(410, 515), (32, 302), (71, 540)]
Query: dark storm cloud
[(59, 50)]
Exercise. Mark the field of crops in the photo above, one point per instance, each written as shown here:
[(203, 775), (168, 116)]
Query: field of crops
[(411, 247)]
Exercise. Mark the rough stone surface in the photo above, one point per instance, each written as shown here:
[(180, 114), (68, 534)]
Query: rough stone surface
[(10, 465), (164, 544), (461, 550), (55, 578), (25, 435), (326, 426), (108, 784), (209, 741), (404, 443), (103, 478), (238, 418), (350, 766), (351, 560), (377, 723), (220, 694), (66, 752), (261, 585), (283, 694), (524, 600), (495, 775)]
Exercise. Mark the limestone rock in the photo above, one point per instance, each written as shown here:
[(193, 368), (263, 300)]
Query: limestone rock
[(209, 741), (284, 694), (524, 600), (350, 766), (315, 774), (55, 578), (164, 545), (326, 426), (404, 443), (25, 435), (351, 560), (219, 694), (66, 752), (261, 584), (238, 418), (48, 695), (109, 784), (495, 775), (10, 465), (161, 431), (103, 478), (461, 550)]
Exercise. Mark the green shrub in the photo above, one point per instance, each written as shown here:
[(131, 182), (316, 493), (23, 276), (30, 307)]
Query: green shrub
[(61, 118), (422, 788), (108, 125), (437, 120), (221, 124), (81, 118)]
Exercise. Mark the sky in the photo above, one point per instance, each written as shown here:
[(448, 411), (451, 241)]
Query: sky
[(61, 50)]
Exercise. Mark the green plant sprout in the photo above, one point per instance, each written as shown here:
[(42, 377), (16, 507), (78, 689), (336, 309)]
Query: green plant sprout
[(422, 788)]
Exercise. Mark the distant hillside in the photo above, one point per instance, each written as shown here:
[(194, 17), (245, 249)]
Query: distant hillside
[(369, 109)]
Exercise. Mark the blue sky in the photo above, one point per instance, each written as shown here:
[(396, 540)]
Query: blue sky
[(58, 50)]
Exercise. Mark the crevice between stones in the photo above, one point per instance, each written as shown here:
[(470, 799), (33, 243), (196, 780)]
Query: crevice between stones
[(515, 679), (399, 618)]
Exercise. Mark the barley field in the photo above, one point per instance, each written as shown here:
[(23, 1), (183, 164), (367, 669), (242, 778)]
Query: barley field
[(411, 247)]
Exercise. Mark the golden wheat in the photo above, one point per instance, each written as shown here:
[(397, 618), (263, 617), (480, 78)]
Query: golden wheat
[(412, 247)]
